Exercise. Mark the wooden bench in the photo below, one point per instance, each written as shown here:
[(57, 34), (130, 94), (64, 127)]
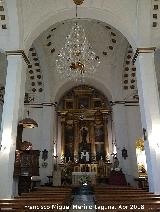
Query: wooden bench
[(36, 204), (43, 200), (125, 199), (128, 206)]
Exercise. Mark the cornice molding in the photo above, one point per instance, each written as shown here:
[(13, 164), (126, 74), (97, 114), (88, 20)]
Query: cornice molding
[(19, 52), (142, 51)]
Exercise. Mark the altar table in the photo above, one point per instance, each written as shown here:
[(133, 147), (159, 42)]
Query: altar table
[(77, 175)]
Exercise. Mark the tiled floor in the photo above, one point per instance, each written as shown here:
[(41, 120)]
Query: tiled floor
[(83, 203)]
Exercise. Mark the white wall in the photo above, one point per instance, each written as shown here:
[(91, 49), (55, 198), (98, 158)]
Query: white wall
[(134, 129), (41, 137), (126, 121), (38, 15)]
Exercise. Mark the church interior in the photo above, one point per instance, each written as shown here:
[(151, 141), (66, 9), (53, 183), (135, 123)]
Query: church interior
[(79, 104)]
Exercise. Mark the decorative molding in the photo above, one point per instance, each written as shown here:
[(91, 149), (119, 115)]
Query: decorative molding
[(78, 2), (142, 50), (34, 73), (129, 72), (19, 52), (146, 50)]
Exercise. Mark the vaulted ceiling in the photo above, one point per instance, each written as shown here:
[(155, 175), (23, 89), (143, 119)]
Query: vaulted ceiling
[(107, 42)]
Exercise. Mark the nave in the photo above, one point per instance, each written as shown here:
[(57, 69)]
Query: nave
[(85, 74), (98, 198)]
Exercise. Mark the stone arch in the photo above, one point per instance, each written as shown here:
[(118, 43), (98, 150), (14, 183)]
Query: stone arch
[(91, 82), (86, 12)]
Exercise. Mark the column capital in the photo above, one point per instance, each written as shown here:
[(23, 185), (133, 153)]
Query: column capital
[(18, 52), (142, 50)]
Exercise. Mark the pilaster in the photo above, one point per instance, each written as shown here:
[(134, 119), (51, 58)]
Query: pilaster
[(150, 113), (12, 99)]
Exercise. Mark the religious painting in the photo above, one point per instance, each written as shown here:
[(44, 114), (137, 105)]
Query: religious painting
[(97, 104), (69, 134), (98, 117), (69, 151), (83, 102), (100, 151), (69, 141), (99, 134), (68, 104)]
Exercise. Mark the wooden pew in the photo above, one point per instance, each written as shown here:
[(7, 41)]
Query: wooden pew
[(36, 204), (43, 200), (126, 199), (128, 206)]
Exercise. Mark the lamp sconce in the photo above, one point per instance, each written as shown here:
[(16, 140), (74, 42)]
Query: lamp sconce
[(124, 153), (145, 136), (55, 167), (44, 154)]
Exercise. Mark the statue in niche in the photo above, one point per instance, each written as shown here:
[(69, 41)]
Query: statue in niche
[(84, 147), (84, 133), (115, 165), (84, 156)]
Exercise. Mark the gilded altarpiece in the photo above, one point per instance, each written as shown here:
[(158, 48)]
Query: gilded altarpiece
[(84, 112)]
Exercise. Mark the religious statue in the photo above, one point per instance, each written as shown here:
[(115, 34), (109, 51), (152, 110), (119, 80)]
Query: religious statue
[(84, 133), (84, 147), (101, 167), (115, 164), (124, 153), (85, 156)]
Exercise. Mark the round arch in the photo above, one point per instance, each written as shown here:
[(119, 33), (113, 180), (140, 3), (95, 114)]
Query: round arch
[(89, 81), (85, 12)]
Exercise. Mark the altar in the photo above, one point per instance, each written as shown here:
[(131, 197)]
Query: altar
[(83, 115), (77, 175)]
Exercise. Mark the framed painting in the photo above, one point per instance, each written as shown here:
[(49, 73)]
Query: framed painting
[(83, 102), (68, 104)]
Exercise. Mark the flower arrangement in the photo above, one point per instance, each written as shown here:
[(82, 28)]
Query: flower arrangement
[(84, 179)]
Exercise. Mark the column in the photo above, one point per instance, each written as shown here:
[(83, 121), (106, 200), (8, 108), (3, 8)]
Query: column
[(47, 133), (150, 113), (76, 141), (9, 124), (62, 135), (110, 135), (106, 146), (92, 137), (121, 137), (57, 150)]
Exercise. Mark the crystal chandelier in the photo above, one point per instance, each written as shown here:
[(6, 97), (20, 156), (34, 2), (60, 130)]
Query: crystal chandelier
[(76, 59)]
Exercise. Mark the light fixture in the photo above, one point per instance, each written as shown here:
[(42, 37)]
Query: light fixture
[(76, 59), (28, 122), (78, 2)]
